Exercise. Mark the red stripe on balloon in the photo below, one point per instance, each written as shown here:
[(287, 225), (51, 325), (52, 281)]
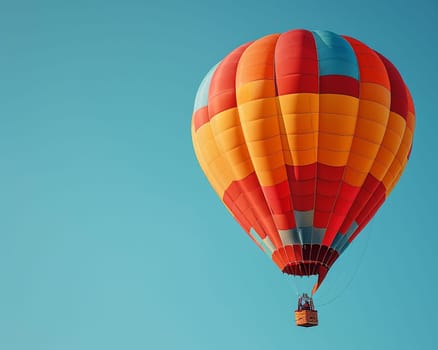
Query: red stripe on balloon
[(200, 117), (339, 84), (411, 107), (222, 92), (337, 204), (399, 98), (302, 184), (365, 219), (371, 68), (248, 196), (369, 189), (296, 63), (345, 200), (278, 198), (377, 198), (329, 178)]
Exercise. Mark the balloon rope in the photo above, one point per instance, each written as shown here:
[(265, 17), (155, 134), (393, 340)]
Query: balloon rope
[(294, 282), (354, 273)]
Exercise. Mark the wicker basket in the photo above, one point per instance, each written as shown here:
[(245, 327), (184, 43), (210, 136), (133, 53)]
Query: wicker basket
[(306, 318)]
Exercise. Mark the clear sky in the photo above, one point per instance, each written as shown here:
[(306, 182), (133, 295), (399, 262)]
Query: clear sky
[(110, 236)]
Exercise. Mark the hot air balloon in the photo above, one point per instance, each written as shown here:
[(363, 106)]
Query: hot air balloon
[(303, 135)]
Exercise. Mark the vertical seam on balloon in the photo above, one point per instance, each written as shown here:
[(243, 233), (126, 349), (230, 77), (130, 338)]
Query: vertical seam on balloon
[(369, 216), (280, 119), (255, 172), (374, 209), (199, 154), (316, 148), (341, 182), (403, 165), (279, 135), (343, 246), (411, 104), (224, 155), (195, 139), (257, 176)]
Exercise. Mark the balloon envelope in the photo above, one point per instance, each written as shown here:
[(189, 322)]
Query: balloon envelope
[(303, 135)]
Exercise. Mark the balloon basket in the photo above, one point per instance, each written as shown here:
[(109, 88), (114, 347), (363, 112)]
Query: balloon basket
[(306, 318)]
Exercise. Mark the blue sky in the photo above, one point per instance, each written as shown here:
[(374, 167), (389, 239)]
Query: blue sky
[(110, 236)]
